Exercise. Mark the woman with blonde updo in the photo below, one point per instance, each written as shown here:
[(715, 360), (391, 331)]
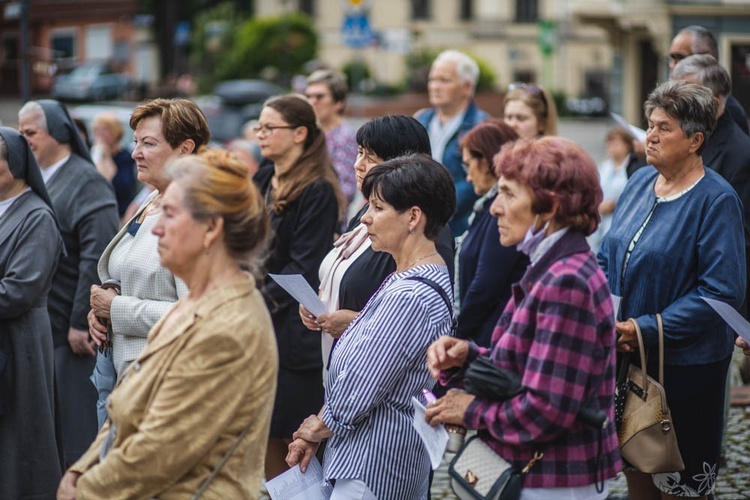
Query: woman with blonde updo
[(192, 413)]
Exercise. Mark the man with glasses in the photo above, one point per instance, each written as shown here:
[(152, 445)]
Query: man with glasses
[(699, 40), (450, 86)]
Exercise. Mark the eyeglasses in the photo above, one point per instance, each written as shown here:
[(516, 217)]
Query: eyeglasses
[(677, 57), (530, 89), (526, 87), (268, 129), (316, 97)]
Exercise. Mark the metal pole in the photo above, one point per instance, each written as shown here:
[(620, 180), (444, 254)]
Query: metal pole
[(25, 52)]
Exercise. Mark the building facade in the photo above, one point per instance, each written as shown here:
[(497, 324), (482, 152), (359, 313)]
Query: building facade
[(641, 31), (63, 34), (536, 41)]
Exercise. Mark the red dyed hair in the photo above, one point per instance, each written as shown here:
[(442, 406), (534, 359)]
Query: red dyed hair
[(486, 139), (555, 169)]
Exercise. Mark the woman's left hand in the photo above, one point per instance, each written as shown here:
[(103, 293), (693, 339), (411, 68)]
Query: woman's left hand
[(626, 338), (101, 300), (67, 488), (336, 322), (450, 409), (312, 429)]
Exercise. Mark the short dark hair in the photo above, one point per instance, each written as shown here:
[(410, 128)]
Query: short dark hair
[(690, 104), (391, 136), (555, 169), (415, 180)]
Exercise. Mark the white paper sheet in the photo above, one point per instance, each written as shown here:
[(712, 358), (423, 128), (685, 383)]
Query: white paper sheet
[(300, 289), (638, 133), (434, 438), (731, 316), (294, 485), (616, 299)]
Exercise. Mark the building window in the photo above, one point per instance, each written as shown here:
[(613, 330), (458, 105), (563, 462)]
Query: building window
[(527, 11), (63, 47), (420, 9), (307, 7), (467, 10)]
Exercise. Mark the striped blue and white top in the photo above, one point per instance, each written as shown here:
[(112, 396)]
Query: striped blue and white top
[(378, 364)]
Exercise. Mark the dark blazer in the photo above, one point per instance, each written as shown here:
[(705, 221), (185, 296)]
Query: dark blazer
[(486, 271), (737, 112), (452, 160), (302, 236), (86, 210), (728, 153)]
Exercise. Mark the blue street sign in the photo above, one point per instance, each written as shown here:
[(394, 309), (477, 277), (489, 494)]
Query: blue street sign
[(356, 30)]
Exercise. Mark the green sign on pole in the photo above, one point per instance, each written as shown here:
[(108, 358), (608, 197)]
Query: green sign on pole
[(547, 37)]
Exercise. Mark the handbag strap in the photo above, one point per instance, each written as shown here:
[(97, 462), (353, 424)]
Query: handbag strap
[(443, 295), (642, 349), (204, 486)]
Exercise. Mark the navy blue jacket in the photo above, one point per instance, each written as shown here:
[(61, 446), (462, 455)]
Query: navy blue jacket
[(487, 270), (452, 160), (692, 247)]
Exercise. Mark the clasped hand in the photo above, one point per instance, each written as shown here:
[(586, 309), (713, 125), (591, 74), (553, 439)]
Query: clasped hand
[(450, 409)]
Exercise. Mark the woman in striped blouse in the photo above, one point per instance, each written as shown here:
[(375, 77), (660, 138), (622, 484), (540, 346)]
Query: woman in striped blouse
[(378, 363)]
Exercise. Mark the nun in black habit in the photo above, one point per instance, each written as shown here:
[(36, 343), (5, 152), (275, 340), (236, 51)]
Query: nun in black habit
[(30, 246), (86, 210)]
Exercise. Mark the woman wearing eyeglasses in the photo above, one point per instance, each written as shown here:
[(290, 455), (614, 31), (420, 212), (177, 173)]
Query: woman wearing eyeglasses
[(304, 202), (530, 110)]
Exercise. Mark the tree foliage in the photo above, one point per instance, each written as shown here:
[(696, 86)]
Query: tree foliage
[(281, 44)]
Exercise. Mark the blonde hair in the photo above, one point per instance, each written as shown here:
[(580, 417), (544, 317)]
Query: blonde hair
[(216, 184), (541, 103), (110, 121)]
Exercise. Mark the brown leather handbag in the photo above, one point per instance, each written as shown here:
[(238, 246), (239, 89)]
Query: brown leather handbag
[(647, 434)]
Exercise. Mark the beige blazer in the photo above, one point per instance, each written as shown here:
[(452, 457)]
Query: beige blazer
[(148, 290), (183, 402)]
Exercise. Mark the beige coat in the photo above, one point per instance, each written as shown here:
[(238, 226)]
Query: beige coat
[(181, 405)]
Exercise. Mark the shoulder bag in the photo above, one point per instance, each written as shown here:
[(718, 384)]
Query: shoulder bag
[(478, 473), (646, 432)]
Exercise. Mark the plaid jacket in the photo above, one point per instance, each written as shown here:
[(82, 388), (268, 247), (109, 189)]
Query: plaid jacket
[(557, 332)]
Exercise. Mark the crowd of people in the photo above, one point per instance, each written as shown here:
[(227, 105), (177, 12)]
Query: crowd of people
[(146, 352)]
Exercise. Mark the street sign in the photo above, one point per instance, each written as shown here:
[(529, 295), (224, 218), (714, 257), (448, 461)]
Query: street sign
[(356, 30)]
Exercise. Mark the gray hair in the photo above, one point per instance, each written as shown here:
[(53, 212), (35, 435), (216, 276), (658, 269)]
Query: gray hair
[(703, 41), (3, 150), (335, 81), (35, 109), (707, 70), (467, 68), (690, 104)]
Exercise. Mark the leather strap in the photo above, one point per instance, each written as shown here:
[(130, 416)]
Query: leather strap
[(642, 349)]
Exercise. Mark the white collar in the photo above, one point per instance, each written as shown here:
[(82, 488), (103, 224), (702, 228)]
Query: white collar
[(48, 172)]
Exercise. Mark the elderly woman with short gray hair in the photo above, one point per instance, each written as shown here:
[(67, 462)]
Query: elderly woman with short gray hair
[(677, 237)]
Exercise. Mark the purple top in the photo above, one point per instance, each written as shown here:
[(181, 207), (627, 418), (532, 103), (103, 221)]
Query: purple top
[(342, 146), (557, 332)]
